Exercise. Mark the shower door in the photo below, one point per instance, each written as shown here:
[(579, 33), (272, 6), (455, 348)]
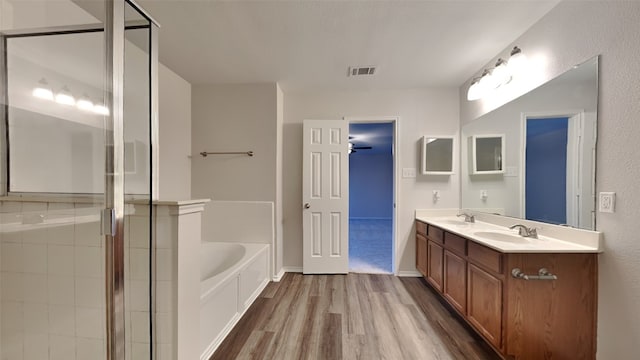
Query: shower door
[(76, 115)]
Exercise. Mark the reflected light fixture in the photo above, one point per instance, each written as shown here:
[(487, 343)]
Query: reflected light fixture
[(43, 90), (517, 60), (84, 103), (100, 110), (475, 90), (501, 73), (65, 97)]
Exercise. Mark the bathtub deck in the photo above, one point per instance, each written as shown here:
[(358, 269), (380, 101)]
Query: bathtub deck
[(357, 316)]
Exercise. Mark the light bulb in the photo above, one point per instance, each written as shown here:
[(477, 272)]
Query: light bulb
[(84, 103), (64, 97), (488, 82), (501, 73), (517, 61), (43, 90), (100, 110), (475, 90)]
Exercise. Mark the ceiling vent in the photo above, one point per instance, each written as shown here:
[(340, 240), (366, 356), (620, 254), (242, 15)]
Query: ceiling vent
[(361, 70)]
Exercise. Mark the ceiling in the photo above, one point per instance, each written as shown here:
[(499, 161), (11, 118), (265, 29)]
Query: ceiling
[(309, 45)]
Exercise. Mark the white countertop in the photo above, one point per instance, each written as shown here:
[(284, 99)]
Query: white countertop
[(572, 241)]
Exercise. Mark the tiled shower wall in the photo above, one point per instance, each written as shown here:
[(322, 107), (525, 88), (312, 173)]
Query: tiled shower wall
[(52, 282)]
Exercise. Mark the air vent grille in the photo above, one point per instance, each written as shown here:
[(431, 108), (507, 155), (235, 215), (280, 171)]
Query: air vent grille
[(361, 70)]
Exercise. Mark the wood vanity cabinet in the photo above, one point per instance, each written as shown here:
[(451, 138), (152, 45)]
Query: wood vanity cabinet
[(520, 319), (421, 248)]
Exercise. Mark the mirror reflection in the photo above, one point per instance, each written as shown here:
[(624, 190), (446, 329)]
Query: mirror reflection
[(549, 163)]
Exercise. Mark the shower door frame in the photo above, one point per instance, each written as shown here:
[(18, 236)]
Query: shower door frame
[(112, 216)]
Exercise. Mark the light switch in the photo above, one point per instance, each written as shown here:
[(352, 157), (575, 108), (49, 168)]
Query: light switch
[(408, 172)]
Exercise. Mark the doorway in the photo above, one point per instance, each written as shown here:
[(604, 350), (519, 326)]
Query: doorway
[(371, 196)]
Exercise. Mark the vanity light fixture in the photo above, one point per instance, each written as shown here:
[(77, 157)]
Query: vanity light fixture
[(65, 97), (43, 90), (499, 75), (100, 110), (84, 103)]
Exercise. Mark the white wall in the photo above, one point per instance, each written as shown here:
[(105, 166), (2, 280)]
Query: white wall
[(572, 33), (237, 118), (174, 133), (421, 112)]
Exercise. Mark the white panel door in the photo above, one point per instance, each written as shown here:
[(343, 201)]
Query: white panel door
[(325, 197)]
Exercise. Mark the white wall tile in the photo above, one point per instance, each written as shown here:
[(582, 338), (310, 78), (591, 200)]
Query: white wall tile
[(67, 208), (164, 352), (11, 287), (62, 235), (89, 322), (62, 320), (89, 261), (61, 290), (36, 317), (138, 232), (88, 234), (11, 316), (139, 351), (138, 264), (11, 237), (11, 257), (164, 296), (36, 236), (60, 259), (90, 349), (138, 295), (90, 292), (36, 207), (164, 265), (165, 232), (139, 327), (12, 344), (36, 346), (63, 348), (35, 258), (11, 206), (35, 288), (164, 328)]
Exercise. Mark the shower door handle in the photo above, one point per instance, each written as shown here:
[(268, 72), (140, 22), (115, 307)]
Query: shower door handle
[(307, 205)]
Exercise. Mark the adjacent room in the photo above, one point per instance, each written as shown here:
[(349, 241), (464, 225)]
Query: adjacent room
[(203, 179)]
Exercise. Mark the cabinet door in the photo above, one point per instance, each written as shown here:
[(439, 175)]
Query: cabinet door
[(434, 265), (484, 304), (421, 254), (455, 281)]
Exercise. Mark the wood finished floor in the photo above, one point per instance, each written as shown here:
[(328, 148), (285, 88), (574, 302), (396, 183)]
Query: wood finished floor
[(355, 316)]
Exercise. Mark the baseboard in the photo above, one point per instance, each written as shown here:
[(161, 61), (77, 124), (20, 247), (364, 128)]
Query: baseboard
[(292, 269), (277, 277), (409, 274)]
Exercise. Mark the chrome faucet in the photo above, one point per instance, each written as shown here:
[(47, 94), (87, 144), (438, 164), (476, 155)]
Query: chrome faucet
[(525, 231), (468, 217)]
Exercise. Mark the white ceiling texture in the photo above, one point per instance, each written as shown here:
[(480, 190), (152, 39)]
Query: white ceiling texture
[(309, 45)]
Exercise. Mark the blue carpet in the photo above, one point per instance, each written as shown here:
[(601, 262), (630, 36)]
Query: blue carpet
[(370, 245)]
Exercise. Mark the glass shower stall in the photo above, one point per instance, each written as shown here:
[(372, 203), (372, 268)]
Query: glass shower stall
[(78, 115)]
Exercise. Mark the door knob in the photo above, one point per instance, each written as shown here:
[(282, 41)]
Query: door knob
[(307, 205)]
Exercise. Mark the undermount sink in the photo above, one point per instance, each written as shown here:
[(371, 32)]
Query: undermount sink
[(500, 236)]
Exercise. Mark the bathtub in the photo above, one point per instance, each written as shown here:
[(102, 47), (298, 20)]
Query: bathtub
[(232, 275)]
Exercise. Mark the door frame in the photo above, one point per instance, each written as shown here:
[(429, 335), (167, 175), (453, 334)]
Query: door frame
[(394, 120), (575, 129)]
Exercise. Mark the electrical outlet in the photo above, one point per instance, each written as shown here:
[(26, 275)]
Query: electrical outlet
[(607, 202), (408, 172), (483, 195)]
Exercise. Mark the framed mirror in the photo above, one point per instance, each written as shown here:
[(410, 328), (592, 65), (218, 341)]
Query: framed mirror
[(437, 155), (487, 154), (548, 173)]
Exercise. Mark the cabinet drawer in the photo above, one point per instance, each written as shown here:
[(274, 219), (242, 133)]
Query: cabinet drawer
[(421, 228), (490, 259), (436, 234), (455, 244)]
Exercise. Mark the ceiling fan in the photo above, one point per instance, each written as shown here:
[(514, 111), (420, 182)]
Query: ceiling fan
[(353, 147)]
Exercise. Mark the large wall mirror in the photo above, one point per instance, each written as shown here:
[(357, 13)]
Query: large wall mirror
[(550, 142)]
